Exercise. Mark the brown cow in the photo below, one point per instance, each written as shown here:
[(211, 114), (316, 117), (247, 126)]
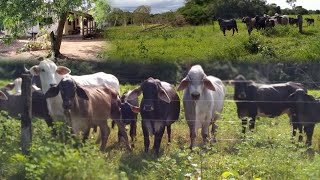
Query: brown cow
[(89, 107)]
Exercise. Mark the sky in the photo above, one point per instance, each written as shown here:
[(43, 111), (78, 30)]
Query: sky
[(160, 6)]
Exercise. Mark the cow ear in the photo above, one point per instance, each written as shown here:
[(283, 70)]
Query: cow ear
[(62, 70), (135, 109), (81, 93), (162, 94), (183, 84), (208, 84), (52, 92), (9, 86), (35, 70), (134, 94), (35, 88), (3, 96)]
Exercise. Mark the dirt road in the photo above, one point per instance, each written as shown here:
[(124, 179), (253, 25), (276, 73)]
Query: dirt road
[(89, 50)]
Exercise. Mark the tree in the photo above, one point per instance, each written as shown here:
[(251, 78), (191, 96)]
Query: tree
[(101, 11), (141, 14), (291, 3), (18, 15)]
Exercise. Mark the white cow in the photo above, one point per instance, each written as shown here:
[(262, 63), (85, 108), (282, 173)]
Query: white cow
[(51, 74), (203, 98)]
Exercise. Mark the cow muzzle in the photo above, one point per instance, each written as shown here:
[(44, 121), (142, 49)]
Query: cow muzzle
[(148, 108), (195, 96), (67, 105)]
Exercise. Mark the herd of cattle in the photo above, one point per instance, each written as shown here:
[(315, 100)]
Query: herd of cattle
[(88, 101), (260, 22)]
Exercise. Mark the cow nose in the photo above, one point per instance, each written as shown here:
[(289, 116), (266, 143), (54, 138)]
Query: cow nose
[(148, 108), (67, 105), (195, 96)]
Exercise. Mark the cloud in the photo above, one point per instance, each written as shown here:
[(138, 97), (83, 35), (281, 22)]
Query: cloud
[(157, 6)]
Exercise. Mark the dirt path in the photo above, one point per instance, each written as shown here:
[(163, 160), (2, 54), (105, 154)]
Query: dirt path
[(89, 50)]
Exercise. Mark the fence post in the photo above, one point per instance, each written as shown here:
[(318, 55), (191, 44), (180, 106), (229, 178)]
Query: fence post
[(26, 130), (300, 22)]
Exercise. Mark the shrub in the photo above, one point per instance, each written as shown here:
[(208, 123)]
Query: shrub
[(253, 44)]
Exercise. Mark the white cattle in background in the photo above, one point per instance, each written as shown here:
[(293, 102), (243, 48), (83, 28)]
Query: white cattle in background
[(51, 74), (203, 99)]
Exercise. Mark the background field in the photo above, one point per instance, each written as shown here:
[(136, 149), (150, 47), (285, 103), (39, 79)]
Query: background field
[(201, 43), (268, 153)]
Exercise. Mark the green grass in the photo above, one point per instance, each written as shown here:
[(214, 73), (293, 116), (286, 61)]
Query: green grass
[(200, 43), (267, 153)]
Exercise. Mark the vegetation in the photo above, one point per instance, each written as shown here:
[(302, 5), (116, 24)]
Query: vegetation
[(267, 153), (201, 43), (17, 16)]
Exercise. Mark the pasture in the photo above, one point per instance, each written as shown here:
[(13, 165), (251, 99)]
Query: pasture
[(267, 153), (191, 44)]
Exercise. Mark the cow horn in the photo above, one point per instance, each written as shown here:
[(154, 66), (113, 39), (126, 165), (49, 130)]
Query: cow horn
[(25, 69)]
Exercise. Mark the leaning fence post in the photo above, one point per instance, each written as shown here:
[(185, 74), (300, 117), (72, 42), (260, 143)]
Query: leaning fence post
[(26, 131), (300, 22)]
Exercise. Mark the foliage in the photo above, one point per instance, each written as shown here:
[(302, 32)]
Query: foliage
[(141, 14), (101, 11)]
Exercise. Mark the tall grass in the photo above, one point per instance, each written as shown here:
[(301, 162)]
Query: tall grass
[(201, 43)]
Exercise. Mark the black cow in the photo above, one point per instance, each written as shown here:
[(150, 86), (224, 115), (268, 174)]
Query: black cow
[(270, 23), (159, 108), (271, 100), (14, 107), (128, 116), (260, 22), (307, 109), (228, 25), (310, 21), (293, 21)]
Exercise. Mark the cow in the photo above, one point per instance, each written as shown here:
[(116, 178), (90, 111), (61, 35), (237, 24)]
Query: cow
[(307, 109), (250, 23), (14, 106), (228, 25), (293, 21), (23, 70), (270, 23), (159, 108), (260, 22), (51, 74), (88, 107), (203, 100), (309, 21), (268, 100), (128, 116)]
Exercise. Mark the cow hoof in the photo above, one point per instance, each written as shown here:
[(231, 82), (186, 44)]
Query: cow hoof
[(132, 145), (214, 140)]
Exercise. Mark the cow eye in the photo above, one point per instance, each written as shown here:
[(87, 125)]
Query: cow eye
[(42, 70)]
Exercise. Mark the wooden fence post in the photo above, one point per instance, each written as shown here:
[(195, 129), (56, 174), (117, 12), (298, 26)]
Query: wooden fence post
[(300, 22), (26, 130)]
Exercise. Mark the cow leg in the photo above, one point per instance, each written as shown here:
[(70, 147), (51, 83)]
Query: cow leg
[(204, 133), (192, 136), (244, 125), (122, 130), (224, 32), (214, 132), (232, 31), (133, 131), (157, 139), (146, 137), (86, 135), (252, 122), (119, 136), (169, 133), (237, 29), (105, 131), (309, 131)]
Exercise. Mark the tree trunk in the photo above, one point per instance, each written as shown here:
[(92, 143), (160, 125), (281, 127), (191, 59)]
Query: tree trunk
[(56, 40)]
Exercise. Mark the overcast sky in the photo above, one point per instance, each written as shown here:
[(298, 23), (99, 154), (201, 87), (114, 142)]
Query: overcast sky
[(159, 6)]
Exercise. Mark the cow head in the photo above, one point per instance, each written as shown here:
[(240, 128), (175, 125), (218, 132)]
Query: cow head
[(129, 109), (196, 81), (68, 89), (3, 96), (50, 74), (240, 87), (300, 96), (152, 91)]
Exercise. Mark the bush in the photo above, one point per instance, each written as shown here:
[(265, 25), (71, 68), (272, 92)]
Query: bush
[(253, 44)]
